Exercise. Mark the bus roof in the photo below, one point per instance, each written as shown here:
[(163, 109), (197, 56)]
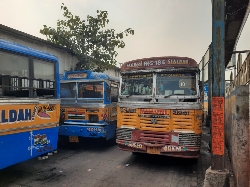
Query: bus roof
[(166, 62), (88, 74), (13, 47)]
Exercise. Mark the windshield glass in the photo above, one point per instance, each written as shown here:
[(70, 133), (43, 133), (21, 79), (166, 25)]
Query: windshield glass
[(68, 90), (140, 84), (90, 90), (181, 83)]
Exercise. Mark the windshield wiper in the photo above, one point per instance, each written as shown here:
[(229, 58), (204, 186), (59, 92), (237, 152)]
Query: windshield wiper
[(167, 96)]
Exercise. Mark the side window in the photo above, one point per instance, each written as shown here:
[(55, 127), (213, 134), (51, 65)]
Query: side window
[(114, 92), (108, 92), (44, 78), (14, 75)]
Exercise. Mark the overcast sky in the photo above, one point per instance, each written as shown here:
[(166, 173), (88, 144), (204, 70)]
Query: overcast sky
[(162, 27)]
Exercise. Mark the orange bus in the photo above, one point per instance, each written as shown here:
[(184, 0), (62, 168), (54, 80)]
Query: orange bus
[(159, 107)]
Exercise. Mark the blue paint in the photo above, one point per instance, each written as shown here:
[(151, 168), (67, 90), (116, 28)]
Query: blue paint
[(88, 131), (205, 87), (3, 119), (106, 100), (77, 130), (90, 75), (218, 70), (27, 114), (20, 115), (20, 147), (111, 131), (11, 116), (80, 127), (218, 48), (205, 92)]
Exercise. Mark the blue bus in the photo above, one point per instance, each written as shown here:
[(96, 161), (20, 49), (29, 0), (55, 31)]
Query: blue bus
[(88, 106), (29, 103)]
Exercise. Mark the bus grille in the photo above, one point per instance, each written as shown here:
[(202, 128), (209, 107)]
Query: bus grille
[(189, 139), (154, 137), (128, 119), (155, 124), (124, 134), (183, 121)]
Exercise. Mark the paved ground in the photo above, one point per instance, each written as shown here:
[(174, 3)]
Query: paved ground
[(93, 164)]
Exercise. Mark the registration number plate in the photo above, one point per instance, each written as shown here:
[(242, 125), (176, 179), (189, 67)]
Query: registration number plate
[(73, 139), (154, 150)]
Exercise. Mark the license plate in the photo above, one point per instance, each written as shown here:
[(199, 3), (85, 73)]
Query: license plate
[(153, 150), (73, 139)]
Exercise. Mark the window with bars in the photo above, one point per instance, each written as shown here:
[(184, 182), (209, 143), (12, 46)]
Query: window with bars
[(23, 76)]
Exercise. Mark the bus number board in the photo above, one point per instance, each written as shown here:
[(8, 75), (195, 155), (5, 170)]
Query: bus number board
[(77, 75)]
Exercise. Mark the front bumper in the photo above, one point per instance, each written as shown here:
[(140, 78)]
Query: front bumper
[(177, 144), (167, 150), (88, 130)]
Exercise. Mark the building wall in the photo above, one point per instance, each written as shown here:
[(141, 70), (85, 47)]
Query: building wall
[(67, 60), (237, 132), (113, 72)]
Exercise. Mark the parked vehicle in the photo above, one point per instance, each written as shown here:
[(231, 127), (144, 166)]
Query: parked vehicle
[(29, 103), (159, 108), (89, 105)]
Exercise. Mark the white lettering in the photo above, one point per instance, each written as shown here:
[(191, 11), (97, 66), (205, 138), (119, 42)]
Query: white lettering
[(178, 148), (172, 148), (174, 61), (146, 63)]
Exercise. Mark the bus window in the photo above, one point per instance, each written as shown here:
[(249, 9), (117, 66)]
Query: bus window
[(90, 90), (17, 81), (176, 83), (137, 84), (44, 70), (108, 92), (68, 90), (114, 92), (14, 65)]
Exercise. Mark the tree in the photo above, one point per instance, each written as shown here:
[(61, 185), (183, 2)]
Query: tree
[(92, 44)]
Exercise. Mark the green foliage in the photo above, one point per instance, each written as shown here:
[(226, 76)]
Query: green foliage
[(93, 45)]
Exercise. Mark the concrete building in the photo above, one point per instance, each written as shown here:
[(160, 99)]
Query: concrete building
[(66, 58)]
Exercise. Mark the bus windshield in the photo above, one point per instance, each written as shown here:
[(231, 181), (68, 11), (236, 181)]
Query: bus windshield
[(68, 90), (90, 90), (176, 83), (139, 84)]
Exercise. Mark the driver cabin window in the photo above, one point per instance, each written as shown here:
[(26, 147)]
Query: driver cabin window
[(90, 90), (176, 83), (140, 84)]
